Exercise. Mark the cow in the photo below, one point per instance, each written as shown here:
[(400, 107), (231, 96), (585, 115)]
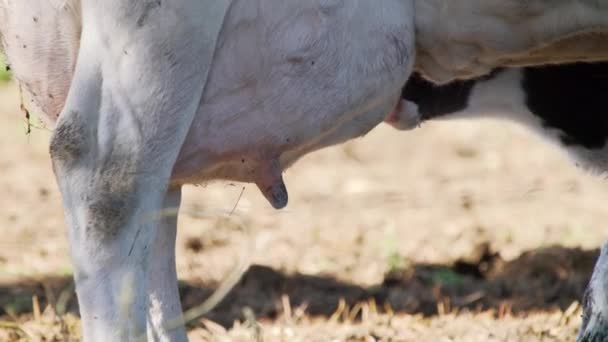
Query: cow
[(148, 95), (469, 38), (563, 103)]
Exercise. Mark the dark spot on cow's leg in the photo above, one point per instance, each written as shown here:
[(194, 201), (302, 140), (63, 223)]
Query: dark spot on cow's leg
[(108, 212), (112, 195), (69, 142)]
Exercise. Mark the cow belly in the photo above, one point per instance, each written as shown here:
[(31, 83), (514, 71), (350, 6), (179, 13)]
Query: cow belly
[(292, 77), (288, 77)]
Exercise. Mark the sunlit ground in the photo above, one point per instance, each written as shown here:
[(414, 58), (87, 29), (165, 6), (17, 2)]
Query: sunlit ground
[(464, 231)]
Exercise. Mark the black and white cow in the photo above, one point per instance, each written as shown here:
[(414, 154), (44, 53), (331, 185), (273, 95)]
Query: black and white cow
[(567, 104)]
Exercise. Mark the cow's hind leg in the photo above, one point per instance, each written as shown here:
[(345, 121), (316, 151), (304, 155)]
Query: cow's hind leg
[(165, 315), (595, 302), (138, 80)]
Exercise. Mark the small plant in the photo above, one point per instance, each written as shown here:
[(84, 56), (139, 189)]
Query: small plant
[(396, 263), (447, 277), (18, 305)]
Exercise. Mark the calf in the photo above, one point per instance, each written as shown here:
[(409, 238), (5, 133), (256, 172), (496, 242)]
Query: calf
[(564, 103), (149, 95)]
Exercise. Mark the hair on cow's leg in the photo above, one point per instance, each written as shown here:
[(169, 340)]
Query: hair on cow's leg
[(102, 200), (134, 94), (595, 302), (165, 315)]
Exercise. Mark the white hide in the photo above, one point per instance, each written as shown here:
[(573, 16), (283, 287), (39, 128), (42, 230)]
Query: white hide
[(148, 110), (469, 38)]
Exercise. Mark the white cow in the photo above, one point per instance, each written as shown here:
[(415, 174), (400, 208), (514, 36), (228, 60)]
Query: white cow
[(148, 95)]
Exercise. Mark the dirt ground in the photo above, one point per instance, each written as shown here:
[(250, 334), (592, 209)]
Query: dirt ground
[(458, 231)]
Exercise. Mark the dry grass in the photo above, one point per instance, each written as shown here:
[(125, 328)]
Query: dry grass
[(361, 322)]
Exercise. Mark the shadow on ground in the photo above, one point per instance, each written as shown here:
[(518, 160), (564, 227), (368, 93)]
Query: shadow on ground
[(539, 280)]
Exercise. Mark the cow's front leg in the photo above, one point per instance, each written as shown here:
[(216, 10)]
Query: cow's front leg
[(112, 200), (139, 77), (595, 302)]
